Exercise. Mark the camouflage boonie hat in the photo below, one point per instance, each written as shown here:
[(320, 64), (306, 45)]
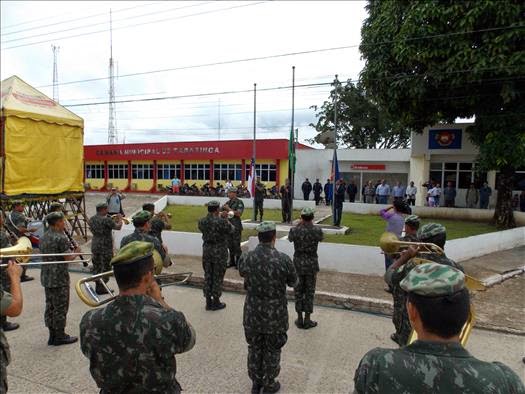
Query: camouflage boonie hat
[(430, 230), (213, 203), (265, 227), (101, 205), (55, 205), (307, 211), (232, 190), (54, 216), (433, 280), (134, 251), (141, 217), (412, 219)]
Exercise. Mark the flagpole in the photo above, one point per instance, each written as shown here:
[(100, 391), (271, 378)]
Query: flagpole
[(335, 148), (292, 180), (254, 148)]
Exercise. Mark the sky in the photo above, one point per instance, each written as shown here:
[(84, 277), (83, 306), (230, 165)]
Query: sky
[(153, 36)]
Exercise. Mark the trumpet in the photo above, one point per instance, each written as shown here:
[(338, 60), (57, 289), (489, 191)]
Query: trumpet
[(124, 219), (88, 295)]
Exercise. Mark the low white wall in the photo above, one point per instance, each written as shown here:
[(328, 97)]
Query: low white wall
[(248, 202)]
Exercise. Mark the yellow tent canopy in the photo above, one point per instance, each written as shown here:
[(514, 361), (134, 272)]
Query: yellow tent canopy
[(41, 143)]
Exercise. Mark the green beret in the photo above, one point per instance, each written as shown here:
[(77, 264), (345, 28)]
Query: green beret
[(307, 211), (433, 280), (265, 227), (132, 252), (232, 189), (54, 215), (213, 203), (412, 219), (102, 205), (141, 217), (18, 202), (430, 230)]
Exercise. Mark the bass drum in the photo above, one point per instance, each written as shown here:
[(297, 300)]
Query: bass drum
[(39, 233)]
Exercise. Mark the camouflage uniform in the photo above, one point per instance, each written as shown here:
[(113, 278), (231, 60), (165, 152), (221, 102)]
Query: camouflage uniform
[(260, 192), (4, 243), (5, 354), (266, 274), (157, 226), (131, 344), (305, 237), (55, 279), (215, 233), (234, 245), (102, 243), (14, 220), (139, 235), (428, 366)]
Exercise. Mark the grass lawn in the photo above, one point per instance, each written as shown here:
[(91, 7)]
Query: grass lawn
[(366, 229), (185, 218)]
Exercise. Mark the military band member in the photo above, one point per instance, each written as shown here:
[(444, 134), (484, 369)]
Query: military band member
[(237, 206), (5, 282), (11, 304), (131, 343), (306, 238), (432, 233), (157, 223), (215, 229), (266, 274), (102, 226), (438, 307), (18, 224), (141, 221), (260, 193), (55, 279), (412, 223), (53, 207)]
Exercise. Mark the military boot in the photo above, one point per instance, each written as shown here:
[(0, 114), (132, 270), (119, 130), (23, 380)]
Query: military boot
[(61, 338), (51, 340), (308, 323), (299, 321), (209, 304), (217, 304), (271, 388)]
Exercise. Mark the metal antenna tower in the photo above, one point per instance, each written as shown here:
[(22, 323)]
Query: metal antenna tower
[(112, 130), (55, 72)]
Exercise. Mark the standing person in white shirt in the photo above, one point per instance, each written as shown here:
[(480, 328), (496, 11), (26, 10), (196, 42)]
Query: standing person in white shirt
[(432, 193), (410, 194), (437, 197), (228, 185)]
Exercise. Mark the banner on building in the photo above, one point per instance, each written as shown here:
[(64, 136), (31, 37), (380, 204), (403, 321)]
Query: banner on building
[(444, 138)]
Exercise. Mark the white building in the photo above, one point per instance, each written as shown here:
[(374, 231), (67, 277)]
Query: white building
[(442, 154)]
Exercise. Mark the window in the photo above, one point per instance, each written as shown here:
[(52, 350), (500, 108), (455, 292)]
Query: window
[(142, 171), (197, 172), (223, 172), (94, 171), (168, 171), (460, 174), (117, 171), (267, 172)]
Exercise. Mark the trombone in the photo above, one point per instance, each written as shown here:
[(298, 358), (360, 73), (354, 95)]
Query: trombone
[(390, 245), (89, 296), (123, 218)]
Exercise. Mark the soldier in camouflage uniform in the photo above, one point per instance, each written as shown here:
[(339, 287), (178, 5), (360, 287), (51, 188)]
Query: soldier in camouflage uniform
[(432, 233), (237, 206), (215, 229), (10, 305), (18, 224), (156, 223), (53, 207), (438, 307), (131, 343), (55, 279), (266, 274), (141, 221), (5, 283), (260, 192), (400, 317), (102, 227), (305, 237)]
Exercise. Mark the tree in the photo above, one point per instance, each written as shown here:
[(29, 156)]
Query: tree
[(429, 62), (360, 121)]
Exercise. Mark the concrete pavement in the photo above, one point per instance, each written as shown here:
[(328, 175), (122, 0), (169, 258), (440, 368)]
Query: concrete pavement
[(322, 360)]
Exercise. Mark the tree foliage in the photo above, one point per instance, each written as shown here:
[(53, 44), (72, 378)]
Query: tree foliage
[(360, 121), (436, 61)]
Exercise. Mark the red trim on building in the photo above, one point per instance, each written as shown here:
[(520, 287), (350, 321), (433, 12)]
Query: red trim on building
[(363, 166)]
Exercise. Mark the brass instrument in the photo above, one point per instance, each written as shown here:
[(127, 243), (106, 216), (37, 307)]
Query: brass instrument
[(390, 244), (88, 295), (124, 219)]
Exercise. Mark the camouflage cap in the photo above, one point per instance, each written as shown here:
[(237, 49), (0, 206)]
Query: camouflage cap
[(55, 205), (430, 230), (213, 203), (232, 190), (18, 202), (307, 211), (132, 252), (412, 219), (102, 205), (433, 280), (54, 215), (265, 227), (141, 217)]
